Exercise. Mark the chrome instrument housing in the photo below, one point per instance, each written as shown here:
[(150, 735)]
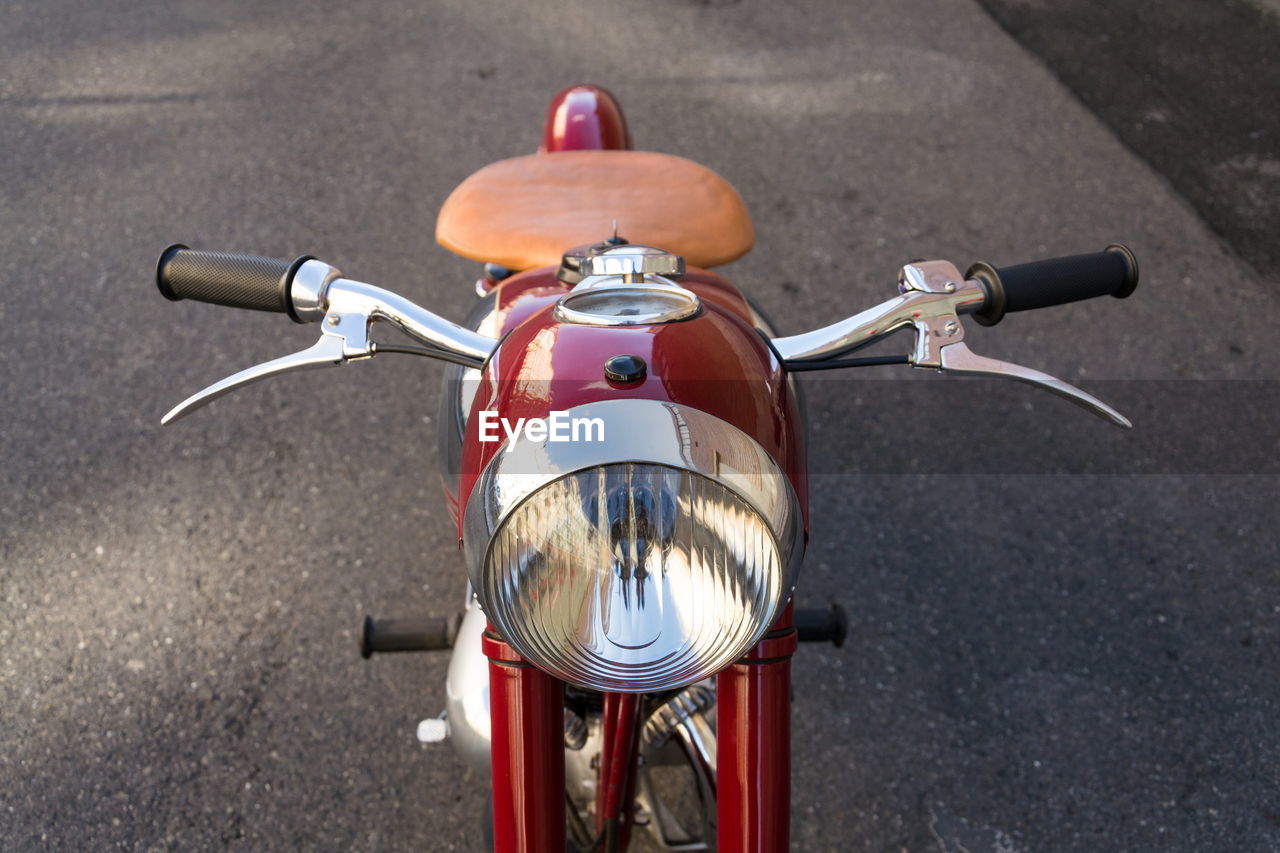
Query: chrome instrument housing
[(631, 261), (612, 304)]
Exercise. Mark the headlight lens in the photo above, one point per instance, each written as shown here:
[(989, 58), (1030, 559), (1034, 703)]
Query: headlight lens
[(633, 577)]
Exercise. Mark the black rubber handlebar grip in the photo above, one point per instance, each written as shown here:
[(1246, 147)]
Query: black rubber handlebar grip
[(225, 278), (1056, 281)]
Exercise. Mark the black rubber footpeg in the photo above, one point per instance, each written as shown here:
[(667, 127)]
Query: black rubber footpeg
[(815, 625), (408, 635)]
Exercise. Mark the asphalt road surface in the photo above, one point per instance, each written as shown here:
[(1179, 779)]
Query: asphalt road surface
[(1060, 642), (1186, 85)]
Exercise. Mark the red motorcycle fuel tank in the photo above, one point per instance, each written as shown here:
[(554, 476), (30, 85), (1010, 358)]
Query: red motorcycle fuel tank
[(716, 361)]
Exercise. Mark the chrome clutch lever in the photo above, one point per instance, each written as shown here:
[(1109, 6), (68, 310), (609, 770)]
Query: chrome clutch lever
[(345, 337)]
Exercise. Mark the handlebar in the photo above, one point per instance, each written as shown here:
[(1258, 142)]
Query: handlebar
[(227, 278), (1055, 281), (307, 290), (932, 298)]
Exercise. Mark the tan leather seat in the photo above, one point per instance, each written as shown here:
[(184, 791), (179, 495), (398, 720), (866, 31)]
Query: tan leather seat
[(525, 212)]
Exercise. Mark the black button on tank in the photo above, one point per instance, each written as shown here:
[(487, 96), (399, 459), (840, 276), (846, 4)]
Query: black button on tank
[(625, 369)]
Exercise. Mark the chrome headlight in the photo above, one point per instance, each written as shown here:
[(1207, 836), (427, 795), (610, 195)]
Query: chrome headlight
[(640, 575)]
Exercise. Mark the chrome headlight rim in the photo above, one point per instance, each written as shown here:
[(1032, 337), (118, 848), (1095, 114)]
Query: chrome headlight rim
[(657, 675), (698, 442), (639, 433)]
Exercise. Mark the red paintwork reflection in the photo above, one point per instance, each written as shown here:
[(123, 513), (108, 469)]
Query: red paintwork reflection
[(715, 362), (584, 118)]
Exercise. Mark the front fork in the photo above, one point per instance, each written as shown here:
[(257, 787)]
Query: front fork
[(753, 754), (753, 745), (526, 718)]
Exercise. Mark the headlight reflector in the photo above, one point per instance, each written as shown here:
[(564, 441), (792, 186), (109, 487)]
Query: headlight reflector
[(634, 577)]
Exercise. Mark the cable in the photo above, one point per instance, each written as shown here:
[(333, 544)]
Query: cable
[(793, 366), (834, 364)]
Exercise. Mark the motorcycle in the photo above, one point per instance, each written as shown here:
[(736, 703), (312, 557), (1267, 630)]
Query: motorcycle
[(623, 449)]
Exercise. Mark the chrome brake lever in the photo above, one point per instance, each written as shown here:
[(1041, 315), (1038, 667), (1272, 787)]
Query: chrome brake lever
[(345, 337), (348, 309), (958, 358), (940, 339)]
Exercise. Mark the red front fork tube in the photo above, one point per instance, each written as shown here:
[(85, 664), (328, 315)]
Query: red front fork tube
[(753, 746), (526, 712), (616, 790)]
